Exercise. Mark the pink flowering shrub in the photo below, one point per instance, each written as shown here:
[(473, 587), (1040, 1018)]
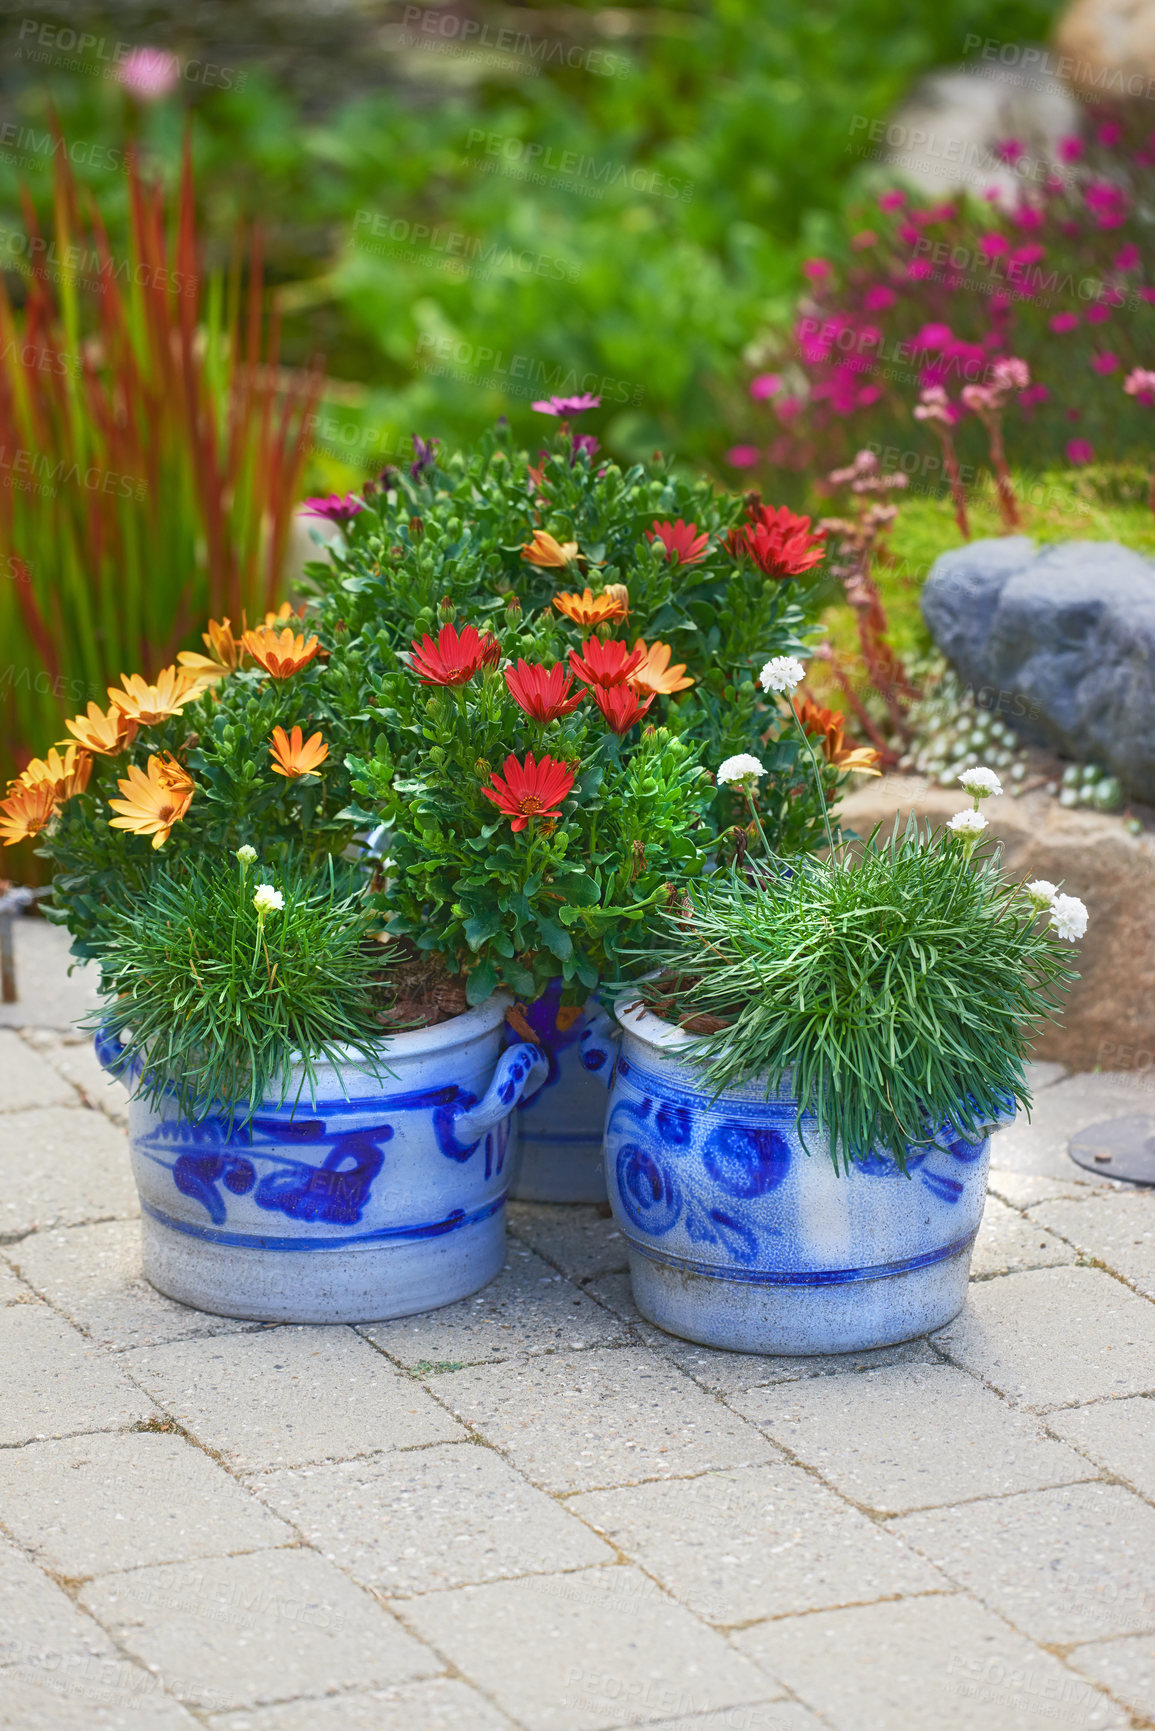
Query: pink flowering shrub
[(1023, 322)]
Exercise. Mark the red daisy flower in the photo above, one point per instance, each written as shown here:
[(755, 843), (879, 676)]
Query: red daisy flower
[(529, 789), (681, 541), (621, 706), (455, 657), (543, 692), (780, 543), (605, 664)]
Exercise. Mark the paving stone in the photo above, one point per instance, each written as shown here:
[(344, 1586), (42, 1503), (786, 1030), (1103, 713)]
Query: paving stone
[(48, 995), (55, 1383), (89, 1695), (285, 1396), (27, 1081), (1117, 1229), (1040, 1146), (39, 1624), (1126, 1668), (1008, 1241), (62, 1165), (911, 1437), (581, 1242), (590, 1419), (767, 1716), (571, 1652), (1118, 1434), (529, 1308), (430, 1518), (234, 1632), (112, 1501), (1066, 1565), (442, 1704), (93, 1275), (1055, 1337), (1024, 1189), (941, 1662), (755, 1542), (12, 1288), (1043, 1075), (75, 1060)]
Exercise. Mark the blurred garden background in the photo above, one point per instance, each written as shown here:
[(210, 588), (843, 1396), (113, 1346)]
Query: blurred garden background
[(251, 250)]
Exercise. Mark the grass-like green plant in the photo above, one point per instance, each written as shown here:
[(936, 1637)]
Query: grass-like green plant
[(227, 999), (888, 991)]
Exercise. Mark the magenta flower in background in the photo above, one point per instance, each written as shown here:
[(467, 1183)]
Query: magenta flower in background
[(587, 443), (1029, 217), (1033, 395), (339, 508), (909, 232), (1032, 253), (1098, 314), (1079, 451), (1109, 134), (878, 298), (918, 269), (1140, 384), (933, 337), (566, 405), (817, 269), (149, 73), (1011, 150), (1069, 149), (788, 408), (865, 238), (1108, 203), (893, 200), (993, 245), (1105, 363), (764, 385), (1128, 257), (1063, 322), (1148, 295), (743, 456)]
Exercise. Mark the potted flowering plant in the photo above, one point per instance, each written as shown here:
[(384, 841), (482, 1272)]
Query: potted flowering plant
[(562, 653), (798, 1131)]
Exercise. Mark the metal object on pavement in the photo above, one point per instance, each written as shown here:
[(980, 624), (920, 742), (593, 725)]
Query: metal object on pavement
[(1117, 1148)]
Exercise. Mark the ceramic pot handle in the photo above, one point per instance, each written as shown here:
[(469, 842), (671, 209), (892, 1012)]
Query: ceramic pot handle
[(110, 1054), (519, 1068), (599, 1046)]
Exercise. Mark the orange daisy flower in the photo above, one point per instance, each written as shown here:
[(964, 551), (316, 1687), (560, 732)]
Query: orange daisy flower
[(282, 616), (294, 756), (280, 653), (64, 775), (545, 551), (26, 811), (828, 724), (588, 610), (655, 673), (153, 802), (147, 704), (224, 654), (107, 735)]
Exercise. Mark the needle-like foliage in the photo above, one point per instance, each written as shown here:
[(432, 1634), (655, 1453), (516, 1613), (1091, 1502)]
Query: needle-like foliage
[(887, 993), (226, 1007)]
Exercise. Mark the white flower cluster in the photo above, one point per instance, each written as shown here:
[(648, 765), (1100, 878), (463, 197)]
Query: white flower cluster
[(782, 673), (741, 771), (247, 855), (981, 783), (968, 824), (1068, 913), (268, 900)]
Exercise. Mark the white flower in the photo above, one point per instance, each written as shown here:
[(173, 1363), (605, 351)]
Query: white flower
[(979, 783), (1042, 893), (247, 855), (782, 673), (968, 824), (741, 772), (1068, 917), (268, 900)]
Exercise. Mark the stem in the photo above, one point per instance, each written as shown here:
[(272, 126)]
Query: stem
[(1006, 493), (817, 783), (758, 825), (957, 491), (260, 934)]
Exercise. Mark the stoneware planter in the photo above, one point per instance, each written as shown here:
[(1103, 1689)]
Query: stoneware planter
[(375, 1198), (560, 1124), (740, 1238)]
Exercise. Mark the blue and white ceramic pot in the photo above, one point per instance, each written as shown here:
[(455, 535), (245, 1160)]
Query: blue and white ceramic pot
[(560, 1124), (739, 1237), (371, 1198)]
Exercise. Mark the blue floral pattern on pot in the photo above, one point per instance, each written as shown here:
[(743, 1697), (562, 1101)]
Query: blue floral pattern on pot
[(560, 1124), (370, 1198), (740, 1232)]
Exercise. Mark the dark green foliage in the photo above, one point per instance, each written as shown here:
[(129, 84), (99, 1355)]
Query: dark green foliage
[(890, 993)]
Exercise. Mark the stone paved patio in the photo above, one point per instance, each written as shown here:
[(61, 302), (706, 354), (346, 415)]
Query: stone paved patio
[(533, 1509)]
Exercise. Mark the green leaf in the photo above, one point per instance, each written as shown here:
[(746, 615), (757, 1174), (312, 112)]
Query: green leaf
[(558, 941), (480, 983)]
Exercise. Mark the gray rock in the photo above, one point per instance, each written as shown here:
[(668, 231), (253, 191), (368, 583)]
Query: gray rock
[(1061, 639)]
